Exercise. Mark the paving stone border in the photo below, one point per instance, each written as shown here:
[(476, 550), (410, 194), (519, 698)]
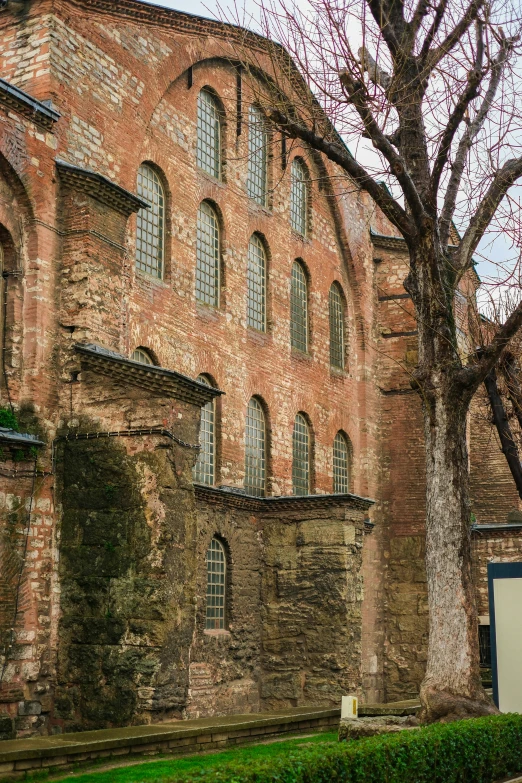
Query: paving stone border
[(20, 758)]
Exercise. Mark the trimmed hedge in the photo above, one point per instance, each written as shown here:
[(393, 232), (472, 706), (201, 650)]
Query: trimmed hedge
[(481, 750)]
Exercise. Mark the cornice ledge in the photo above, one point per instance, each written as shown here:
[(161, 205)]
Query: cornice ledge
[(158, 380), (100, 187), (388, 242), (23, 103), (238, 499), (492, 530)]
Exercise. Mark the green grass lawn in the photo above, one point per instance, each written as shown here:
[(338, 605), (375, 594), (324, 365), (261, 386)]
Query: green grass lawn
[(174, 769)]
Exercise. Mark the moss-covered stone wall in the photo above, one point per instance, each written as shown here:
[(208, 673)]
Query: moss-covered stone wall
[(127, 583)]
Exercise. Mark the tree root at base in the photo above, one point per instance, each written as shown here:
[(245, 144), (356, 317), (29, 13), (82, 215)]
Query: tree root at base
[(445, 707)]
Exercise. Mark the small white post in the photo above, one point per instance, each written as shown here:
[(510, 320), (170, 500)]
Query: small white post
[(349, 707)]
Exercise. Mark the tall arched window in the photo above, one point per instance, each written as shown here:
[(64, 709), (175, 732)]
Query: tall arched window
[(255, 449), (336, 307), (301, 456), (299, 308), (257, 185), (150, 227), (142, 356), (216, 586), (341, 464), (299, 196), (256, 304), (207, 256), (205, 467), (208, 150)]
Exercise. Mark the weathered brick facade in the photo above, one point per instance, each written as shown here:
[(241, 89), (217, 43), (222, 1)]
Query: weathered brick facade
[(108, 578)]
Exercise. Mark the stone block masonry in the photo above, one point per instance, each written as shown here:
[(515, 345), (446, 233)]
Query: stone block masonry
[(324, 594)]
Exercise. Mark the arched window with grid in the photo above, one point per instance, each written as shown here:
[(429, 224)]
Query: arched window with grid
[(205, 467), (216, 586), (142, 356), (257, 178), (299, 308), (299, 196), (301, 456), (341, 464), (150, 225), (208, 148), (207, 255), (256, 300), (336, 307), (255, 449)]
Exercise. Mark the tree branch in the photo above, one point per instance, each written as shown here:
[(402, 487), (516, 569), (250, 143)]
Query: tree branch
[(502, 181), (355, 91), (469, 136), (456, 117), (335, 152), (474, 375), (390, 23), (434, 56), (504, 430), (432, 32)]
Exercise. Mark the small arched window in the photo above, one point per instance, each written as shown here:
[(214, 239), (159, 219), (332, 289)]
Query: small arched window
[(207, 255), (142, 356), (205, 467), (216, 586), (255, 449), (208, 150), (299, 308), (336, 308), (150, 227), (301, 456), (257, 184), (341, 464), (299, 196), (256, 304)]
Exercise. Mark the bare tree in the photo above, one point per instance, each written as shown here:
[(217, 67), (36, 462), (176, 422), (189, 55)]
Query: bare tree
[(432, 86)]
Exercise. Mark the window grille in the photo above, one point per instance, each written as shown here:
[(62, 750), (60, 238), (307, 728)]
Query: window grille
[(301, 457), (204, 469), (336, 308), (298, 197), (256, 307), (255, 449), (139, 355), (150, 227), (299, 309), (208, 150), (207, 256), (341, 455), (216, 576), (257, 157), (485, 646)]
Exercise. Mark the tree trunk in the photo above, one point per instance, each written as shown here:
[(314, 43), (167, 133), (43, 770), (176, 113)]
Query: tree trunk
[(452, 686)]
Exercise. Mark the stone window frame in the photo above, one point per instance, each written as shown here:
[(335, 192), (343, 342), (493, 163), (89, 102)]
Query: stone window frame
[(253, 175), (266, 258), (221, 147), (263, 491), (218, 258), (227, 603), (144, 356), (300, 418), (199, 476), (295, 343), (304, 229), (144, 213), (346, 487), (341, 316), (11, 302)]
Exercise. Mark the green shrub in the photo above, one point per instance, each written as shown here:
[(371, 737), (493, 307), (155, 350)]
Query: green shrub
[(8, 419), (481, 750)]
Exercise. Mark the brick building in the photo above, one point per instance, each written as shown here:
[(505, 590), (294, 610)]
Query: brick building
[(174, 271)]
